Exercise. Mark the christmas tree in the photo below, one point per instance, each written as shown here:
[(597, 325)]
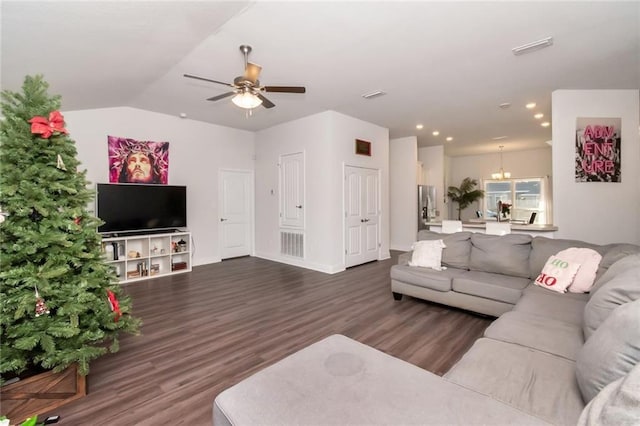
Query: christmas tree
[(60, 303)]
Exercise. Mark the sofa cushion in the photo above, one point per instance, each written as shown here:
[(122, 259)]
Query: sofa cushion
[(533, 381), (538, 332), (617, 404), (457, 250), (614, 253), (543, 247), (557, 274), (611, 351), (568, 307), (501, 254), (623, 288), (427, 254), (623, 264), (490, 286), (425, 277)]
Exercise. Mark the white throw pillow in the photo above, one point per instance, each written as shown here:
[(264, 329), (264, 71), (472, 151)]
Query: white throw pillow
[(427, 254), (557, 274), (589, 261)]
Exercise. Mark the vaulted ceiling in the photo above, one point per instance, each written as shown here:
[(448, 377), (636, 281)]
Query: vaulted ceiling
[(446, 65)]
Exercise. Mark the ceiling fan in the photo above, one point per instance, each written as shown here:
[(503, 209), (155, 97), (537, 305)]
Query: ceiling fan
[(247, 88)]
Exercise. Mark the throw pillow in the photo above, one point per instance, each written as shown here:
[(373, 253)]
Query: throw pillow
[(557, 274), (427, 254), (611, 352), (589, 261)]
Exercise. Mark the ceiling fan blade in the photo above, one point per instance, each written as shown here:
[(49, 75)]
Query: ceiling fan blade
[(224, 95), (265, 102), (252, 72), (285, 89), (207, 79)]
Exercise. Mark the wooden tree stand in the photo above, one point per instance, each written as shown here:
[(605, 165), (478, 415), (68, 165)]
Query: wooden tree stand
[(41, 393)]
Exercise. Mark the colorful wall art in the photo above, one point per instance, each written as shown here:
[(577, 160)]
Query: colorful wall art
[(598, 150), (132, 161)]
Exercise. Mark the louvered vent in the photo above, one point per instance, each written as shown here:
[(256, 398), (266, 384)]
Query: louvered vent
[(292, 243)]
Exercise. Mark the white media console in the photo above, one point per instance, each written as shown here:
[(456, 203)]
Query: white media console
[(140, 257)]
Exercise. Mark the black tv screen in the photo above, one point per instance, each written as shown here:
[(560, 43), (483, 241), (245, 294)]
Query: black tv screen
[(135, 207)]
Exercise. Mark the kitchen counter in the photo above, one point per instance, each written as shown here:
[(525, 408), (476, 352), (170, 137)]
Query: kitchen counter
[(516, 228)]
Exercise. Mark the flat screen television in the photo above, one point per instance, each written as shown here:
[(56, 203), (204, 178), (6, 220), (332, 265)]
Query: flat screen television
[(137, 207)]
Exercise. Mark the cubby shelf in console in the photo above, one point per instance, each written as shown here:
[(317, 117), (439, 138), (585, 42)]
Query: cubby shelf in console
[(140, 257)]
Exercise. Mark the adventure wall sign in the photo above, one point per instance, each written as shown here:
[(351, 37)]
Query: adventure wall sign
[(598, 150)]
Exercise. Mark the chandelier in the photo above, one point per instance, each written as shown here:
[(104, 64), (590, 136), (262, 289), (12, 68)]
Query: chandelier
[(501, 174)]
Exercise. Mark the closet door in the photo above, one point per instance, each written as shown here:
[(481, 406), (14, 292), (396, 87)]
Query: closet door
[(292, 190), (362, 214), (235, 201)]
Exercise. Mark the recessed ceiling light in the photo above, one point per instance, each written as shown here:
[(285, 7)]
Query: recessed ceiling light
[(545, 124), (419, 126), (498, 138), (504, 105), (530, 105), (183, 115), (538, 116), (449, 138), (435, 133)]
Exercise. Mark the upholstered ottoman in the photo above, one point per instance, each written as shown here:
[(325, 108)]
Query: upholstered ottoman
[(341, 381)]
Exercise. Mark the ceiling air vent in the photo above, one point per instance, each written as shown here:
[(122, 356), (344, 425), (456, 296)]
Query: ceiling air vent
[(375, 94)]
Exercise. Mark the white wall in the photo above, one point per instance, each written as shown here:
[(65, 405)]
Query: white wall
[(521, 164), (196, 151), (432, 158), (403, 155), (328, 141), (596, 211)]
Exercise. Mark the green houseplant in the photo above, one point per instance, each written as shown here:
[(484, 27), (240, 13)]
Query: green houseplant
[(465, 194)]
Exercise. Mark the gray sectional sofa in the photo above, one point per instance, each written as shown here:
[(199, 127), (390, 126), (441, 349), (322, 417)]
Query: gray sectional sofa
[(487, 273), (548, 354), (550, 358)]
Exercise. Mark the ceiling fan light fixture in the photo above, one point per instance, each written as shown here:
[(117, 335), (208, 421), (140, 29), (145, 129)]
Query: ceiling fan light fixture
[(246, 100)]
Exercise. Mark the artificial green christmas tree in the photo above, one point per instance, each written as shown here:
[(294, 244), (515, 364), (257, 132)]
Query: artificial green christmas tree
[(60, 303)]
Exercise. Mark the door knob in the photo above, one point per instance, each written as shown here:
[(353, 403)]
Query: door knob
[(361, 220), (222, 219), (298, 207)]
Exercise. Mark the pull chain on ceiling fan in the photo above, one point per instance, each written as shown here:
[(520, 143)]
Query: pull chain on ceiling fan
[(247, 91)]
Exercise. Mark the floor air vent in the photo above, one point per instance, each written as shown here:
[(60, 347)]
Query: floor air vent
[(292, 243)]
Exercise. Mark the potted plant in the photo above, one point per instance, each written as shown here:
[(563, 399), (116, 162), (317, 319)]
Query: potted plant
[(465, 194)]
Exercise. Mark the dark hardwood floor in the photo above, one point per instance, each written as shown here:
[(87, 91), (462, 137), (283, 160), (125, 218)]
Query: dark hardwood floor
[(207, 330)]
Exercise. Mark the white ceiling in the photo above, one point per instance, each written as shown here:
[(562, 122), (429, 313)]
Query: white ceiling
[(447, 65)]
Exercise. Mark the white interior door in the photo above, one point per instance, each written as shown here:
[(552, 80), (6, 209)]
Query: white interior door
[(292, 190), (362, 213), (235, 197)]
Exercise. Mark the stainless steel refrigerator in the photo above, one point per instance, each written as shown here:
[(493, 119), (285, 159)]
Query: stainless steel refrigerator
[(426, 205)]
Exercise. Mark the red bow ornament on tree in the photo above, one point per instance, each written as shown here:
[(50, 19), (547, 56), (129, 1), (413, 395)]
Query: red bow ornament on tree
[(114, 304), (44, 127)]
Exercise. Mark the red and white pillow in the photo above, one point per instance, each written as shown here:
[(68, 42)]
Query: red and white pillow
[(557, 274), (573, 269)]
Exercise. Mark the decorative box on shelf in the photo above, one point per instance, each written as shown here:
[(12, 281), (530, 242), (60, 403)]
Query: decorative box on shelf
[(178, 266)]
